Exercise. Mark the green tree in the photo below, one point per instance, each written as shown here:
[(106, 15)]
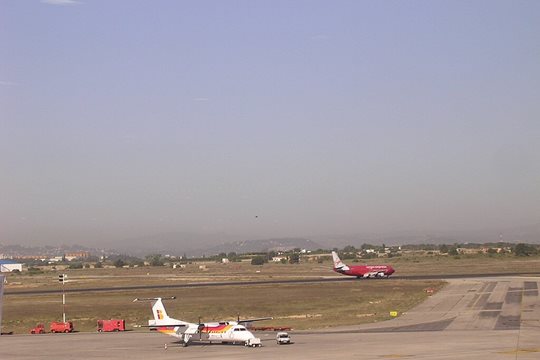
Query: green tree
[(119, 263), (294, 258), (155, 259), (443, 249), (522, 249), (258, 260)]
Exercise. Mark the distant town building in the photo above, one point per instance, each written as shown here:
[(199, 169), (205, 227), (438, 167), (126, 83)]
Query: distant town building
[(32, 257), (9, 266), (77, 255)]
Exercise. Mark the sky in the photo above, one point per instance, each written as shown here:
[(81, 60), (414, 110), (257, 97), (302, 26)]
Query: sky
[(266, 118)]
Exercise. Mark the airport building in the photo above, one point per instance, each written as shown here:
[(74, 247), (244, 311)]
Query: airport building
[(9, 266)]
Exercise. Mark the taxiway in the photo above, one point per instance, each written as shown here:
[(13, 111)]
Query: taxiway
[(474, 318)]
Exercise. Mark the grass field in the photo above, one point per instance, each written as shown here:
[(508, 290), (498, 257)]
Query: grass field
[(244, 271), (300, 306)]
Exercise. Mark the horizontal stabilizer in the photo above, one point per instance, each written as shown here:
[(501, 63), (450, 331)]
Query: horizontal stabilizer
[(154, 299)]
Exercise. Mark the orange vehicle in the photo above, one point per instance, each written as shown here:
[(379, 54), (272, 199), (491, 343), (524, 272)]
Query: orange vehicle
[(61, 327), (39, 329), (111, 325)]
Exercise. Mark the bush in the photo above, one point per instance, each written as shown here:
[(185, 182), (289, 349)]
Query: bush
[(258, 260), (119, 263), (34, 270), (294, 258), (525, 250), (155, 260)]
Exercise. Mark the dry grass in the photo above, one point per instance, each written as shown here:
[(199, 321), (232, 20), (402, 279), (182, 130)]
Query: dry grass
[(410, 265), (299, 306)]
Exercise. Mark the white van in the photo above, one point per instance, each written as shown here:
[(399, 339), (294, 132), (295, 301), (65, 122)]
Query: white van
[(283, 338)]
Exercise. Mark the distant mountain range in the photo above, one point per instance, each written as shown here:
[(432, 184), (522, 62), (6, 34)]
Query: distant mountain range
[(197, 245), (283, 244), (526, 234), (177, 244), (191, 244)]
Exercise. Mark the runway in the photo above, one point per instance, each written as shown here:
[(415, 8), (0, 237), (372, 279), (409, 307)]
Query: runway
[(474, 318), (339, 278)]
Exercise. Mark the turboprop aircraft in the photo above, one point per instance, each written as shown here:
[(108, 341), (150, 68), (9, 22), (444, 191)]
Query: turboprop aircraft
[(220, 332), (361, 271)]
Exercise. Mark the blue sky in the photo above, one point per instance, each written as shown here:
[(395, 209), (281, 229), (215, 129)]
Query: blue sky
[(266, 118)]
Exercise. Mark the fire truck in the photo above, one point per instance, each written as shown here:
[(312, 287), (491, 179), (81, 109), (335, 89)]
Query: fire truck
[(39, 329), (62, 327), (111, 325)]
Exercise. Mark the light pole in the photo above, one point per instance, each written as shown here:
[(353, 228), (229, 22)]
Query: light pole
[(62, 278)]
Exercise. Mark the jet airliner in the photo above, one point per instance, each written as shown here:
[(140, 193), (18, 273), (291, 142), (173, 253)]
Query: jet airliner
[(361, 271)]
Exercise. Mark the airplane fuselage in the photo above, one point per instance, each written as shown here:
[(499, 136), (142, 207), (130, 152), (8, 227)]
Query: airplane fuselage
[(367, 271), (229, 332)]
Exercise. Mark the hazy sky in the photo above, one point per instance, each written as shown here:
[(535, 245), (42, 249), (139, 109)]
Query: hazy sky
[(266, 118)]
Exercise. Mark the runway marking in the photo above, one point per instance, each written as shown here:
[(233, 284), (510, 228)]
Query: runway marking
[(395, 356), (520, 351)]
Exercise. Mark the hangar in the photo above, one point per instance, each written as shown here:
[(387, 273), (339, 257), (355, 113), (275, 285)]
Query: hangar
[(9, 266)]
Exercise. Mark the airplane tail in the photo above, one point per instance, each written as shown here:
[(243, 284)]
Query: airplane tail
[(338, 264), (160, 314), (158, 309)]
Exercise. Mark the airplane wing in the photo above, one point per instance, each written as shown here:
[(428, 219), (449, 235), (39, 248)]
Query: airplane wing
[(252, 320), (160, 325)]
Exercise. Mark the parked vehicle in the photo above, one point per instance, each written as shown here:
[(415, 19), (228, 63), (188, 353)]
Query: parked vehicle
[(283, 338), (111, 325), (253, 342), (39, 329), (59, 327)]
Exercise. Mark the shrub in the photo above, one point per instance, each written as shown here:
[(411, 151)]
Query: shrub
[(258, 260)]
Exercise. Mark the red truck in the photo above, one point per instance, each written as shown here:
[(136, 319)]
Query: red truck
[(111, 325), (39, 329), (59, 327)]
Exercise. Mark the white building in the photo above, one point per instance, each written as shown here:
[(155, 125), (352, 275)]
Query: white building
[(9, 266)]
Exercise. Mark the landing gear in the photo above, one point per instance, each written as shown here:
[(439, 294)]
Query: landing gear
[(185, 340)]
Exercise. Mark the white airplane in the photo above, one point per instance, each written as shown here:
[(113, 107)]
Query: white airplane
[(220, 332)]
